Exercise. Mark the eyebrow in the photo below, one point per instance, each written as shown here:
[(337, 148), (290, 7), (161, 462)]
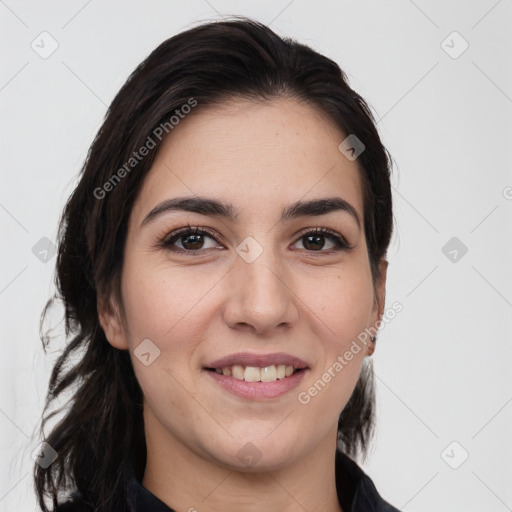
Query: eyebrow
[(213, 207)]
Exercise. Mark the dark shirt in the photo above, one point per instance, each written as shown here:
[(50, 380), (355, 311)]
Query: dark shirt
[(359, 493)]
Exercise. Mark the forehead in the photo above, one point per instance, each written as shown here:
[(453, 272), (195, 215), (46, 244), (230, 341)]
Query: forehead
[(255, 154)]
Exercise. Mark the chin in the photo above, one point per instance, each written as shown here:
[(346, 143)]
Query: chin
[(252, 456)]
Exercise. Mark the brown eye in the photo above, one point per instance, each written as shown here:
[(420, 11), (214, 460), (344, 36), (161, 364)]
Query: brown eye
[(189, 239), (194, 239), (315, 240)]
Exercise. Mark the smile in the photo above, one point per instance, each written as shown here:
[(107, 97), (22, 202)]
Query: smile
[(239, 383), (256, 374)]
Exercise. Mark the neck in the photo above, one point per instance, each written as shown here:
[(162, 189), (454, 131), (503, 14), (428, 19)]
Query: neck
[(186, 481)]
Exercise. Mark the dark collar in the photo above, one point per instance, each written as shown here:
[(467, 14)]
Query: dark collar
[(359, 493)]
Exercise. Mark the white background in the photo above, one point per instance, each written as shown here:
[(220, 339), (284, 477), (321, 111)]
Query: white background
[(443, 364)]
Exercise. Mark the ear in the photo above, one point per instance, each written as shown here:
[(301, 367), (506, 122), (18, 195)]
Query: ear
[(111, 320), (380, 301)]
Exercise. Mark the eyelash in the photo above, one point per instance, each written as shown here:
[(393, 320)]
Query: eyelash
[(168, 241)]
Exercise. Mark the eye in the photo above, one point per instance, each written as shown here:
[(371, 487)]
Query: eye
[(191, 239), (194, 238), (314, 240)]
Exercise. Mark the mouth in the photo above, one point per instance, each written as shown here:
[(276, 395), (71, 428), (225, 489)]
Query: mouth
[(254, 383), (254, 376), (269, 373), (254, 367)]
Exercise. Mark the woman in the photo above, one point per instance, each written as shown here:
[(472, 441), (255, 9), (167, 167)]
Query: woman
[(222, 261)]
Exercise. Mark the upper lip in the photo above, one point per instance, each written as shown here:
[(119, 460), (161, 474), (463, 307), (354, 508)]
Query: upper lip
[(260, 360)]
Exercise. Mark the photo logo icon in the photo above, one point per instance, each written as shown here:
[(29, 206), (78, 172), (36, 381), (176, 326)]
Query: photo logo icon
[(454, 249), (44, 249), (44, 455), (44, 45), (455, 455), (146, 352), (249, 249), (249, 454), (454, 45), (351, 147)]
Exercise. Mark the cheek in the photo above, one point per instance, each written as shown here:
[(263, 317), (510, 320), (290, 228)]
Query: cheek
[(160, 304), (342, 311), (160, 300), (343, 302), (171, 306)]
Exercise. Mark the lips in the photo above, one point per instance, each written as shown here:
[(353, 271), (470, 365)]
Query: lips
[(257, 360)]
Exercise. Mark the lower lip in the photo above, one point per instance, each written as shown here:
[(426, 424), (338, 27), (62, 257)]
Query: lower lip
[(253, 390)]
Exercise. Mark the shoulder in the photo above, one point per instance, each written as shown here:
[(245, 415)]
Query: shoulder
[(364, 496), (72, 506)]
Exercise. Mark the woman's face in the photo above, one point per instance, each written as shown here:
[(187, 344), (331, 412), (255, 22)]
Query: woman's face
[(258, 282)]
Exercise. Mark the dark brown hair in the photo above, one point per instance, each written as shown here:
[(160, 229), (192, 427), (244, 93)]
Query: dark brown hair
[(101, 434)]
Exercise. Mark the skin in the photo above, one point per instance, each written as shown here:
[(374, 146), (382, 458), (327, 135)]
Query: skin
[(311, 303)]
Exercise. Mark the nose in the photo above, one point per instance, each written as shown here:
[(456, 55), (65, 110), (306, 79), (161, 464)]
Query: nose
[(261, 297)]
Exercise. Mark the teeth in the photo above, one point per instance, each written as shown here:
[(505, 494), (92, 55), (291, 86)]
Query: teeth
[(252, 374), (255, 374), (237, 372), (268, 374)]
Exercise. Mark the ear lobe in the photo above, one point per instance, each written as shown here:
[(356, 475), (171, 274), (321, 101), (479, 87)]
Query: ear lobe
[(370, 348), (111, 322)]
